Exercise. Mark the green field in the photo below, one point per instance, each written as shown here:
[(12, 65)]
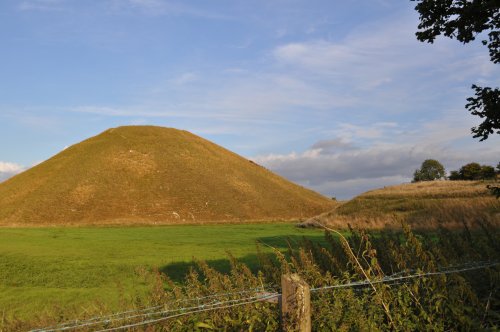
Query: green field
[(45, 268)]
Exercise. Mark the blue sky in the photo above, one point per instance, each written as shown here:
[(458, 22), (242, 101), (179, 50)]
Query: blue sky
[(335, 95)]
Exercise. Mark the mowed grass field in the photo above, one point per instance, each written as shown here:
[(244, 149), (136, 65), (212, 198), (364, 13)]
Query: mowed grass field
[(42, 269)]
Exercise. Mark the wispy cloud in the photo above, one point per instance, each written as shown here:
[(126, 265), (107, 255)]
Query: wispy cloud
[(184, 78), (247, 96), (164, 7), (385, 56), (42, 5)]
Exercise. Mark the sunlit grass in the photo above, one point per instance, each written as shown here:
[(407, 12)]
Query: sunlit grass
[(43, 268)]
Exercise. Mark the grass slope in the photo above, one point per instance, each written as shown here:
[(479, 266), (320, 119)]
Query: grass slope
[(423, 205), (151, 174), (41, 268)]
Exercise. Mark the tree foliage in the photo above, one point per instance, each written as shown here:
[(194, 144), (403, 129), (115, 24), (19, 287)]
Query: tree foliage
[(464, 20), (488, 172), (496, 190), (486, 105), (454, 176), (471, 171), (430, 170)]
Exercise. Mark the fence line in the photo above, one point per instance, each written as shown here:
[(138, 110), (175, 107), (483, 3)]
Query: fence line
[(99, 319), (186, 310), (397, 278), (153, 321)]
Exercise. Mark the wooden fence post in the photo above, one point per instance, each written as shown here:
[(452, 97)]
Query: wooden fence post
[(295, 304)]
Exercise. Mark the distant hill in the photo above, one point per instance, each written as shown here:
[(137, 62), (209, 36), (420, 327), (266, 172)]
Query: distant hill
[(147, 174), (424, 205)]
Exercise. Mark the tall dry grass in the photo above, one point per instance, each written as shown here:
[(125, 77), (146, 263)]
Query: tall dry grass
[(424, 205)]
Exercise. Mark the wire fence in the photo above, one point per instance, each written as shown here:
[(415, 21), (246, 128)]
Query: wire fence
[(156, 314), (205, 300), (401, 277), (203, 308)]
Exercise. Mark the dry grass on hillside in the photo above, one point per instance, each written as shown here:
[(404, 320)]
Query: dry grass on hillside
[(423, 205)]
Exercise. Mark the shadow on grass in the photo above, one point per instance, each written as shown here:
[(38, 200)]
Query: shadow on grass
[(178, 270)]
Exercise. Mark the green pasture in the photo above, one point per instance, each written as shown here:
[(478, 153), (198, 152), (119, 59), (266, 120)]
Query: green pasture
[(46, 268)]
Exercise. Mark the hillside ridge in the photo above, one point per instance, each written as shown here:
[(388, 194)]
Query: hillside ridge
[(421, 205)]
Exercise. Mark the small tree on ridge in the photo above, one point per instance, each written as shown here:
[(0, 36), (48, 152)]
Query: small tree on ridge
[(430, 170)]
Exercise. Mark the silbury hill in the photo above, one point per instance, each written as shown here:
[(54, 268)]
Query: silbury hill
[(148, 174)]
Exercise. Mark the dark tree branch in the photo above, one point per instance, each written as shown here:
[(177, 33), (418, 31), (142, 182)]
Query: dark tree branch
[(462, 20), (486, 105)]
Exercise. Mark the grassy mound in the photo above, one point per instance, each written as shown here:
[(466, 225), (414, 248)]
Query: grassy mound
[(424, 205), (146, 174)]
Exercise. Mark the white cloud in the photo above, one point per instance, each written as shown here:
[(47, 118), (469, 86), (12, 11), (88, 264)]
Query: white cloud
[(8, 169), (333, 145), (344, 168)]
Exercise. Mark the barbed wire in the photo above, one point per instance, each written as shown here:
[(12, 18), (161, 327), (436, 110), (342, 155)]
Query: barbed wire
[(97, 318), (394, 279), (200, 309), (398, 277), (136, 313)]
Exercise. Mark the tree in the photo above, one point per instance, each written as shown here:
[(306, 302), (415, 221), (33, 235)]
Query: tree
[(488, 172), (471, 171), (486, 105), (454, 176), (430, 170), (463, 20)]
